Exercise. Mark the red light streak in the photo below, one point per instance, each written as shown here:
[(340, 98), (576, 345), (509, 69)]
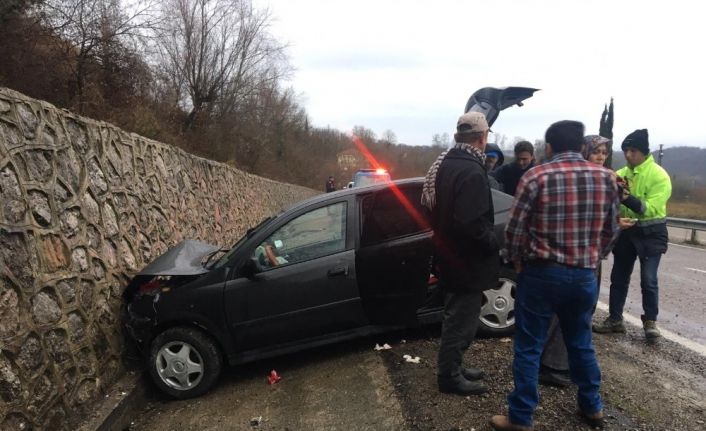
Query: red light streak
[(411, 210)]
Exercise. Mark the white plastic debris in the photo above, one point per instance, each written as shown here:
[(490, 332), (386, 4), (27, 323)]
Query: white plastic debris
[(256, 421), (505, 340), (383, 347), (413, 360)]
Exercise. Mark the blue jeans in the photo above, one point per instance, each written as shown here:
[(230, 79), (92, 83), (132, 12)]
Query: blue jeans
[(570, 293), (623, 263)]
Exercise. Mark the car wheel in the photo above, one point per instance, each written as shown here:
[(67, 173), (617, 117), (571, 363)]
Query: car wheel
[(497, 314), (184, 362)]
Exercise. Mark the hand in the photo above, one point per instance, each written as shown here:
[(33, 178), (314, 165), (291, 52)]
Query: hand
[(625, 195), (625, 223)]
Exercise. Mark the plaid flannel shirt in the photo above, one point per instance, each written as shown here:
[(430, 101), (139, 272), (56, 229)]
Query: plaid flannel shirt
[(565, 210)]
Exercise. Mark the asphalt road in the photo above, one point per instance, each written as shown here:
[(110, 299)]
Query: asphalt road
[(682, 296)]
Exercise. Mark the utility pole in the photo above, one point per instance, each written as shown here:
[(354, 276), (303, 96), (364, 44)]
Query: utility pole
[(660, 154)]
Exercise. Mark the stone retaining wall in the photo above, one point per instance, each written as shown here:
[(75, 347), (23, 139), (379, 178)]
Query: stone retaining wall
[(83, 206)]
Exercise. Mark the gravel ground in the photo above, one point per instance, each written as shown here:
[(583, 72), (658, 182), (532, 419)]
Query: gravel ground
[(645, 387), (350, 386)]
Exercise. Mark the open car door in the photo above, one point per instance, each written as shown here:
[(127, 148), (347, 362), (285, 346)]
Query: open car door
[(490, 101), (394, 255)]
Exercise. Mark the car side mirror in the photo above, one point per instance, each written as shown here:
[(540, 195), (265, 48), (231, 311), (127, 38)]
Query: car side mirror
[(250, 268)]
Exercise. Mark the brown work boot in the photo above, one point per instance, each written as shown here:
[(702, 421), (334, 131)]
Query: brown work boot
[(502, 423), (609, 325), (594, 420), (651, 331)]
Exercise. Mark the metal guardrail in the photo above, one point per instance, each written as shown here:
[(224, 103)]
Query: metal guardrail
[(689, 224), (686, 223)]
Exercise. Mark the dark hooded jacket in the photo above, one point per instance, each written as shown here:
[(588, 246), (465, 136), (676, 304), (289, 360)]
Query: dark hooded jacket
[(494, 183), (463, 221), (509, 176)]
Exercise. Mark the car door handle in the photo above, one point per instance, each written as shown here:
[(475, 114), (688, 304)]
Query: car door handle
[(338, 270)]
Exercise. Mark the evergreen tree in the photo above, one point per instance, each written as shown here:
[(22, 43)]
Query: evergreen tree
[(606, 128)]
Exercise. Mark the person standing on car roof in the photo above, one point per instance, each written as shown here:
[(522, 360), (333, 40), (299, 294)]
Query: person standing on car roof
[(554, 365), (457, 192), (645, 200), (563, 220), (509, 175)]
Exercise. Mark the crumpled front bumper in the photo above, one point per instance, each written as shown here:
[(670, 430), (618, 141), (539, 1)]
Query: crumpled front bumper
[(139, 327)]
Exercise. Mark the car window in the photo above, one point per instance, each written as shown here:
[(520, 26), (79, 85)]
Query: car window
[(367, 180), (391, 214), (314, 234)]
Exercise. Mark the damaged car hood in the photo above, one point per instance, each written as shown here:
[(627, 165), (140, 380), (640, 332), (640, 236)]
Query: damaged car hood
[(182, 259)]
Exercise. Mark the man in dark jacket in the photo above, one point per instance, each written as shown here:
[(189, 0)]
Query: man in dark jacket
[(494, 158), (509, 175), (456, 191), (330, 185)]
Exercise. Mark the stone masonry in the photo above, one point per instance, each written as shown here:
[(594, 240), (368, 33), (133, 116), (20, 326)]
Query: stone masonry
[(83, 206)]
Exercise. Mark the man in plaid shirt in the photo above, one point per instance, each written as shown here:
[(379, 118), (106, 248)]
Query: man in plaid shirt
[(563, 220)]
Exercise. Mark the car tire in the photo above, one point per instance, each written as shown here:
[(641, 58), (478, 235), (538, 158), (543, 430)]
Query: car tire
[(184, 362), (497, 316)]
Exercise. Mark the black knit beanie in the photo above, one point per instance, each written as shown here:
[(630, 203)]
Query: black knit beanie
[(639, 140)]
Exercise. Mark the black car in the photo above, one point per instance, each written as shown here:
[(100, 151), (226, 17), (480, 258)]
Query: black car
[(337, 266)]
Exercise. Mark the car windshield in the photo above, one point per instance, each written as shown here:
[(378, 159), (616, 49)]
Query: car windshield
[(226, 257), (366, 180)]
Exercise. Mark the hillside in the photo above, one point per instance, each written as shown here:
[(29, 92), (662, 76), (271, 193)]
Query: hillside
[(682, 163)]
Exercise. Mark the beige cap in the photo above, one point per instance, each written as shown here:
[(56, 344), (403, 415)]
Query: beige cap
[(472, 122)]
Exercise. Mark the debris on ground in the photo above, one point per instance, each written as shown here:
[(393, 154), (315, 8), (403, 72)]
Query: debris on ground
[(273, 377), (414, 360), (256, 421), (383, 347)]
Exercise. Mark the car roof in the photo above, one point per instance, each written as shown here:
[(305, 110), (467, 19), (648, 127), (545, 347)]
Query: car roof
[(353, 191)]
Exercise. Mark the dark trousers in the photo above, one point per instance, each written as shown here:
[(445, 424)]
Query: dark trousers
[(461, 313), (623, 263), (542, 292)]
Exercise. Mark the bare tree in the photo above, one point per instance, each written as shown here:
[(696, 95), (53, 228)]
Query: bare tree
[(388, 137), (441, 140), (87, 27), (217, 53)]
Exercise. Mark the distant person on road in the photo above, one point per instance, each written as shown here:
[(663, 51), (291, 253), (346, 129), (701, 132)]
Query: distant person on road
[(457, 192), (554, 366), (644, 204), (330, 185), (494, 158), (509, 175), (562, 222)]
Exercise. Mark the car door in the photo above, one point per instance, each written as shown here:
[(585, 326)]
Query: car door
[(307, 290), (394, 255)]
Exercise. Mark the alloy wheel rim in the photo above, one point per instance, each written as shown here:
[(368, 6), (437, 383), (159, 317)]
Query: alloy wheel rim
[(179, 365), (498, 307)]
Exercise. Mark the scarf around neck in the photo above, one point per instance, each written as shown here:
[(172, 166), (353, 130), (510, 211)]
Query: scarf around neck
[(429, 188)]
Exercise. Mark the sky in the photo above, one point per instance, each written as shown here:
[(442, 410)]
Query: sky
[(410, 66)]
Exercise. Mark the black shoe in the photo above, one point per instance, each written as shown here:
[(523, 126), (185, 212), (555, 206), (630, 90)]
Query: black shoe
[(459, 385), (596, 420), (554, 378), (472, 373)]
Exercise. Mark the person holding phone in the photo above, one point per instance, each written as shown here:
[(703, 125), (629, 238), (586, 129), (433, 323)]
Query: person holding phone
[(643, 220)]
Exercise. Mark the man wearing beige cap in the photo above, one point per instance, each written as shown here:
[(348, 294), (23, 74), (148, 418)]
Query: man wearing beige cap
[(457, 192)]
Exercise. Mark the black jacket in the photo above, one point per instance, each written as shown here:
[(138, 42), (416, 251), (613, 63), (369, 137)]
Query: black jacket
[(463, 221), (509, 175)]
